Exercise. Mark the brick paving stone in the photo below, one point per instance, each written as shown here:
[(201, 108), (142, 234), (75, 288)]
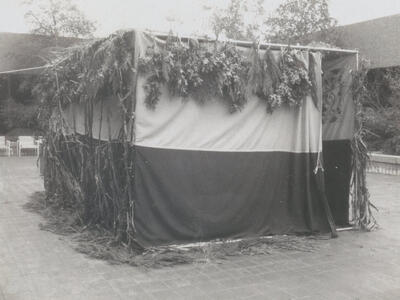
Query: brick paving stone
[(167, 295), (192, 292), (272, 292), (36, 264)]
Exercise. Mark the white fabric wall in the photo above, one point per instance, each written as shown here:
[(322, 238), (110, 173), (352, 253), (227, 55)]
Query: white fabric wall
[(177, 124)]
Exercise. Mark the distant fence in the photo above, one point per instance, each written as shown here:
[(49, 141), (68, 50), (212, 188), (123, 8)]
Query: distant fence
[(384, 164)]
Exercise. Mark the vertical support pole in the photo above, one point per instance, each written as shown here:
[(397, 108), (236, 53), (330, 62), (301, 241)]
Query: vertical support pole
[(357, 61)]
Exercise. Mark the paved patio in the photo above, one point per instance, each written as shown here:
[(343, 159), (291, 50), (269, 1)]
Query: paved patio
[(36, 264)]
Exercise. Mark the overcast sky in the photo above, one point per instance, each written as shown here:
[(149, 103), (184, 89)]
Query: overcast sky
[(112, 15)]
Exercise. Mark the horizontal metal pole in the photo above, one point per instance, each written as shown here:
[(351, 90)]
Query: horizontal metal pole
[(261, 45), (24, 70)]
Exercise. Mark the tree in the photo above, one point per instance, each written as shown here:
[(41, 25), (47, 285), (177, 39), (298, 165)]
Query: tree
[(297, 21), (18, 105), (238, 20), (381, 115), (229, 21), (58, 18)]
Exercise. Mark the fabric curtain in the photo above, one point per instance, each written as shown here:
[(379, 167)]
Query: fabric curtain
[(203, 172)]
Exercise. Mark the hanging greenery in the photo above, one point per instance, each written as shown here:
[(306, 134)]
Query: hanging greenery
[(197, 70), (224, 72), (294, 83), (282, 82), (193, 70)]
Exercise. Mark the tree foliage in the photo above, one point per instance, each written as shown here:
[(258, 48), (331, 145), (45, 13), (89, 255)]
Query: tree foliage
[(381, 101), (18, 106), (17, 115), (58, 18), (238, 20), (384, 87), (295, 21)]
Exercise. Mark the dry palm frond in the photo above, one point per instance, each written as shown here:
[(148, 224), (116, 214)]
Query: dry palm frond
[(95, 241), (361, 206)]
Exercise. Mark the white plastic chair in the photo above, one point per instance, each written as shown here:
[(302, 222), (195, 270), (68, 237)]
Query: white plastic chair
[(27, 142), (5, 145)]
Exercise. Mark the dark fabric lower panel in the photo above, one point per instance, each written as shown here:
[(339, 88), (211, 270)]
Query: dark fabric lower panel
[(184, 196), (337, 166)]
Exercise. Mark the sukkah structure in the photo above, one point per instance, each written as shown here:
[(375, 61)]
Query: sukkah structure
[(160, 139)]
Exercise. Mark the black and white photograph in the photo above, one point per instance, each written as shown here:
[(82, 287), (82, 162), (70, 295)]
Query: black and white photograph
[(199, 149)]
